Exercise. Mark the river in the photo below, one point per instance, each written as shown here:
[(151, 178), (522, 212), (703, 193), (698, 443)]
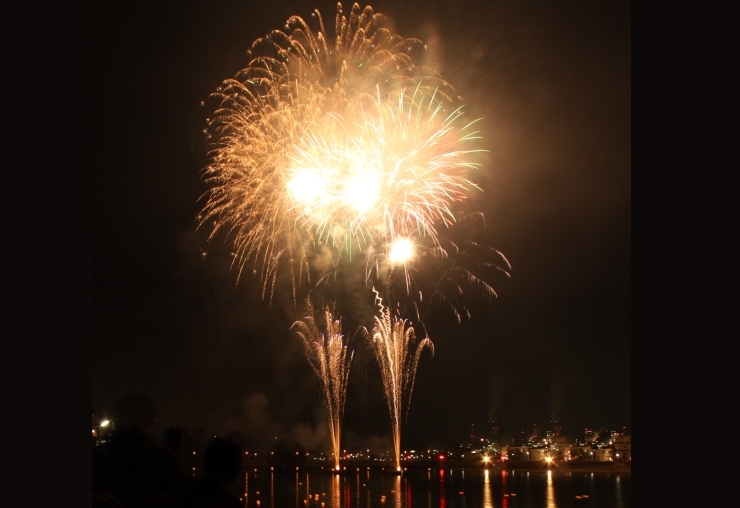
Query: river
[(432, 488)]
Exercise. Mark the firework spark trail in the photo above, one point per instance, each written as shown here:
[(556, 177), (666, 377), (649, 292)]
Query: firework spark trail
[(328, 356), (395, 347), (247, 198), (363, 55), (443, 273)]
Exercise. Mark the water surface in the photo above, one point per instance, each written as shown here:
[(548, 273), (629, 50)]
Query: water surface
[(433, 488)]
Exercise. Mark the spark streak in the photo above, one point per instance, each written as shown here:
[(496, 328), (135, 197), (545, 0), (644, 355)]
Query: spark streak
[(397, 351), (392, 167), (326, 351)]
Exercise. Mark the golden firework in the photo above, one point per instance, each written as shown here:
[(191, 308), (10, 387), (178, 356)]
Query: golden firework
[(327, 354), (390, 168), (297, 86), (397, 351), (363, 55)]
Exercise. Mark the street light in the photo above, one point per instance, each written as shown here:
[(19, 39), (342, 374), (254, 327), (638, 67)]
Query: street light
[(104, 423)]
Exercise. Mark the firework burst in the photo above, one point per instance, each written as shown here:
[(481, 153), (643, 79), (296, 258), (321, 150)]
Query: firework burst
[(364, 54), (390, 168), (247, 198), (300, 92)]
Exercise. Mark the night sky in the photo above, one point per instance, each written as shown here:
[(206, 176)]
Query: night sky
[(552, 84)]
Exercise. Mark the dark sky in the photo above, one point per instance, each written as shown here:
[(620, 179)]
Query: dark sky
[(552, 84)]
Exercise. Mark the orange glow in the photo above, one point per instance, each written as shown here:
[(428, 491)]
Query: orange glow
[(401, 250), (340, 160), (328, 357)]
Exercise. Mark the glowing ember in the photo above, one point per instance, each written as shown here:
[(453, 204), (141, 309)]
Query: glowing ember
[(401, 250)]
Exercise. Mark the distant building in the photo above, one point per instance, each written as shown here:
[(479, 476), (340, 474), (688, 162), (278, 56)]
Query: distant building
[(560, 443), (589, 435), (493, 427), (556, 425), (579, 453), (539, 454), (514, 453), (603, 455), (623, 448), (522, 438)]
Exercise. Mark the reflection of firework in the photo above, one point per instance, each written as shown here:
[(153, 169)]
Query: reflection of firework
[(297, 82), (327, 355), (397, 352), (381, 170)]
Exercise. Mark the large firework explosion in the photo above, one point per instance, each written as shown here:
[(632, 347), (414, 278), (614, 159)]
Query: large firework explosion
[(326, 350), (383, 170), (306, 113)]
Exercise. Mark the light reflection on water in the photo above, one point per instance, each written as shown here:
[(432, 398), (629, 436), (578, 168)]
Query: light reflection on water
[(487, 497), (443, 488), (336, 490), (550, 492)]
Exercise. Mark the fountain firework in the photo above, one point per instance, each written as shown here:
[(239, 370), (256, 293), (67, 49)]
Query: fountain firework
[(397, 351), (327, 354)]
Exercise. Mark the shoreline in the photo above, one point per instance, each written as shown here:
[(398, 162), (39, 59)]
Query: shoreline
[(618, 468)]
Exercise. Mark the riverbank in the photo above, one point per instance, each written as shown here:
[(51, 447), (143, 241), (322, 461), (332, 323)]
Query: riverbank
[(619, 468)]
